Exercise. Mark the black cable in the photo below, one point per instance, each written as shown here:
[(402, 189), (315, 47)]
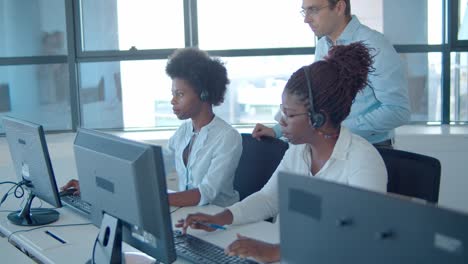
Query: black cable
[(94, 249), (16, 191), (4, 198), (17, 186), (10, 182), (44, 226)]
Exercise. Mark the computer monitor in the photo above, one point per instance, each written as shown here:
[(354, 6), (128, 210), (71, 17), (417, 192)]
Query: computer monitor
[(30, 156), (125, 182), (328, 222)]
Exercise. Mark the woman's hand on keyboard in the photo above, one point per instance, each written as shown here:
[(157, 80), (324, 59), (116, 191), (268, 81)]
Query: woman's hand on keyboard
[(205, 221), (249, 247), (72, 184)]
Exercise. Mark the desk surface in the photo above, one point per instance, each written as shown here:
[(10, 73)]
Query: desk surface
[(80, 239), (10, 254)]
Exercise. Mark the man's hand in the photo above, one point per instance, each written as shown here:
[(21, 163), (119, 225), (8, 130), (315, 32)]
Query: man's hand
[(261, 130), (72, 184)]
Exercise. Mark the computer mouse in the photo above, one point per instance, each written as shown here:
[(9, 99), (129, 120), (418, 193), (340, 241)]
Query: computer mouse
[(67, 192)]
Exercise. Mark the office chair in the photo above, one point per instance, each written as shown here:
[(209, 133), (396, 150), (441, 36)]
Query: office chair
[(258, 161), (412, 174)]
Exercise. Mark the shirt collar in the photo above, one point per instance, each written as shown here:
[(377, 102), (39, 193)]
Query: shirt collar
[(204, 130), (341, 149), (348, 33)]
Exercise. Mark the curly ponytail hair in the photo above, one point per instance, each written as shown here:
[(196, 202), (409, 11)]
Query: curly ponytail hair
[(335, 80)]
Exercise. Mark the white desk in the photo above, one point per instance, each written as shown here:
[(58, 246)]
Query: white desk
[(10, 254), (42, 246), (80, 239)]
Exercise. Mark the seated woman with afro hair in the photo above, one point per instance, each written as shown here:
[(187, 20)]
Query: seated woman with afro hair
[(206, 148)]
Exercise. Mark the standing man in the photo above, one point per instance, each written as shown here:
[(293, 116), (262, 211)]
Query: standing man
[(384, 104)]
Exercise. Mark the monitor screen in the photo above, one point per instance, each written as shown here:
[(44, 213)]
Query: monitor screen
[(124, 180), (328, 222), (31, 161)]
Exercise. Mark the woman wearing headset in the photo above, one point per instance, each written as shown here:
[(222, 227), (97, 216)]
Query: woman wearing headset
[(316, 99), (206, 149)]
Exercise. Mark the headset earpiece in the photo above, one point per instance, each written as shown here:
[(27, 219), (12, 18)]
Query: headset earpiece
[(316, 119), (204, 95)]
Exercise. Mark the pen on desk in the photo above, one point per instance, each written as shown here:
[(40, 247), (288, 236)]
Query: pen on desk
[(55, 236), (215, 226)]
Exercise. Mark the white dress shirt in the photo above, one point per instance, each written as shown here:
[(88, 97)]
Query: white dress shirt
[(213, 160), (354, 161)]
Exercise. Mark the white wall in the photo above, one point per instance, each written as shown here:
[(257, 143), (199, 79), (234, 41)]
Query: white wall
[(450, 146)]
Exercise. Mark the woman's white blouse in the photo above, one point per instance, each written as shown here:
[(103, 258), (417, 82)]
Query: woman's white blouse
[(354, 161), (212, 162)]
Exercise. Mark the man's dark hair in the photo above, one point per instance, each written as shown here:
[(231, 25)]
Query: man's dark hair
[(333, 3)]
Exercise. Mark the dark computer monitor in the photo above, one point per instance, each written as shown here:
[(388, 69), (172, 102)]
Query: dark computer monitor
[(125, 182), (30, 156), (328, 222)]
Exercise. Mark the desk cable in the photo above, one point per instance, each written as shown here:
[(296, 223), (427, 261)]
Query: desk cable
[(94, 249), (17, 186)]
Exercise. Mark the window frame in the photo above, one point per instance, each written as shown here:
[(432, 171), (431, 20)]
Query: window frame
[(75, 54)]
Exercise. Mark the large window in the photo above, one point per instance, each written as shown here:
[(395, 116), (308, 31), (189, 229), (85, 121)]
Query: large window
[(36, 92), (101, 64), (247, 24), (32, 28), (459, 67), (459, 91), (463, 20), (126, 94), (255, 95), (403, 22), (34, 79), (422, 24), (125, 25), (133, 91)]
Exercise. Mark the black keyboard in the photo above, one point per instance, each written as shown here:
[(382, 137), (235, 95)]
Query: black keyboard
[(198, 250), (75, 202)]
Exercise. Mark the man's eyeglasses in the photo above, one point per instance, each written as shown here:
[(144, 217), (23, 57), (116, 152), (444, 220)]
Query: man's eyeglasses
[(312, 11)]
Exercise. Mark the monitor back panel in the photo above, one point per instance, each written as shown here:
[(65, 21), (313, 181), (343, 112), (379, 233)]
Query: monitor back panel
[(326, 222)]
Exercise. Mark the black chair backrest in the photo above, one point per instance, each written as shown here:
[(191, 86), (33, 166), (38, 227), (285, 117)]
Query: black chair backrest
[(258, 161), (412, 174)]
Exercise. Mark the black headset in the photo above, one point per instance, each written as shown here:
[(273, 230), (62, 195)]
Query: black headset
[(316, 119), (204, 95)]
